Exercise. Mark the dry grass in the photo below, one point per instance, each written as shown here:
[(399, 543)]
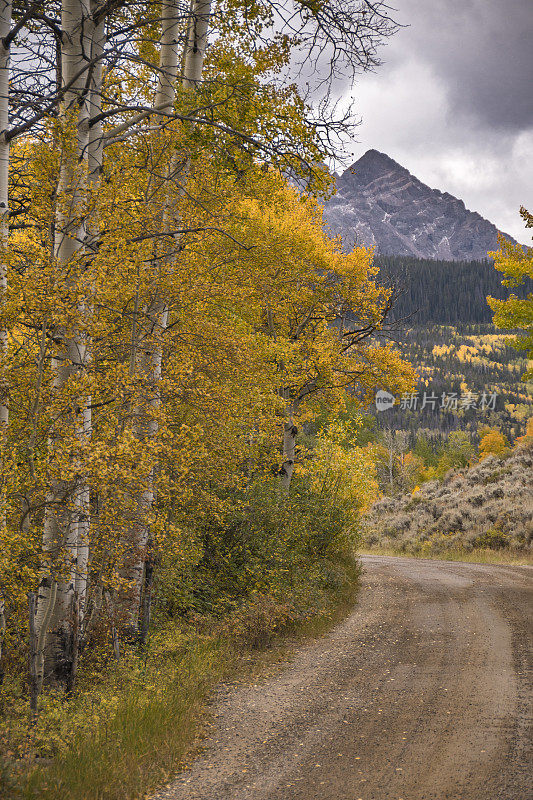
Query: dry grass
[(480, 556)]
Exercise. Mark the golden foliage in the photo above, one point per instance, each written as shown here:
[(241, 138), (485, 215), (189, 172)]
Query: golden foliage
[(516, 263)]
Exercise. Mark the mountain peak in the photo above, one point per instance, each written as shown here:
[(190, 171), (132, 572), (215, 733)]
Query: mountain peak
[(379, 203), (376, 158), (370, 166)]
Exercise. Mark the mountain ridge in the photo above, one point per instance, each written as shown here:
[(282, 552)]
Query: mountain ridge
[(378, 202)]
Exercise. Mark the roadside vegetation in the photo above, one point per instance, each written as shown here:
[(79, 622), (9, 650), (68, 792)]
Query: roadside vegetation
[(267, 570), (173, 312), (479, 511)]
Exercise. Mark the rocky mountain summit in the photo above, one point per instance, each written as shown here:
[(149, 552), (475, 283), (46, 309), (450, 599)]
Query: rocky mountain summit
[(378, 202)]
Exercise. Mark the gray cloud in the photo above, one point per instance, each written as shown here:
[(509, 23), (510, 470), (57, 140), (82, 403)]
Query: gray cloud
[(452, 102), (482, 51)]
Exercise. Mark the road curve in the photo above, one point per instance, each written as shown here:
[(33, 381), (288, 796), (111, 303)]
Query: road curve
[(423, 693)]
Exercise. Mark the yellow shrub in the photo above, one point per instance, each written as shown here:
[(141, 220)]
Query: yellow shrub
[(492, 443)]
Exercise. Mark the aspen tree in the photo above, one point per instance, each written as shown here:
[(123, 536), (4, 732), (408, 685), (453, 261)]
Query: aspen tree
[(324, 311), (157, 314), (61, 535), (95, 155), (516, 264), (5, 27)]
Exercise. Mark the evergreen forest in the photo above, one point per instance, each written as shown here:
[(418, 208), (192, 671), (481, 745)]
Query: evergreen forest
[(429, 291)]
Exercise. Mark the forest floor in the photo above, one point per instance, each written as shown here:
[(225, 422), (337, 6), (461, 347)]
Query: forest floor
[(422, 693)]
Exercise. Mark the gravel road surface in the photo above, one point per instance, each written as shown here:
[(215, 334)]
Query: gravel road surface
[(423, 693)]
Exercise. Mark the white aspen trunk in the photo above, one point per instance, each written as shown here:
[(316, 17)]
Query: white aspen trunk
[(193, 62), (168, 56), (5, 26), (95, 151), (61, 535), (82, 523), (290, 431), (196, 43)]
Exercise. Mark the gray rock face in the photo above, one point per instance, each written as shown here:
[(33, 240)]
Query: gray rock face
[(378, 202)]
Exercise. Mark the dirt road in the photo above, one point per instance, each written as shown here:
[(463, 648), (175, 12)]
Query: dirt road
[(423, 693)]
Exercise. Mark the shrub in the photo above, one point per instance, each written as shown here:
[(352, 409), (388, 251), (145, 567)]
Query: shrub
[(492, 443), (494, 538), (488, 507)]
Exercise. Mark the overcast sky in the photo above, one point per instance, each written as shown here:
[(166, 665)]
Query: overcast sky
[(453, 102)]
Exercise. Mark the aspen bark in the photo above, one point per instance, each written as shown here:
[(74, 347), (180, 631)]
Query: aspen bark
[(41, 635), (61, 524), (34, 693), (196, 43), (290, 431), (146, 606), (193, 61), (95, 151), (111, 611)]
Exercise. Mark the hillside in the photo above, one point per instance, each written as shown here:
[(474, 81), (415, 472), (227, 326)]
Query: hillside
[(444, 292), (465, 360), (379, 203), (488, 505)]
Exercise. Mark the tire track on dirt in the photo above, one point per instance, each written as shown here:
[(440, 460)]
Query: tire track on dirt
[(423, 693)]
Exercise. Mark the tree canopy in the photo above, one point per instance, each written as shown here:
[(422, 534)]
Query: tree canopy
[(516, 263), (172, 309)]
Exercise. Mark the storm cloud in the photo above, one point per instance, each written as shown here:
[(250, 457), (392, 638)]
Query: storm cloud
[(452, 102), (482, 52)]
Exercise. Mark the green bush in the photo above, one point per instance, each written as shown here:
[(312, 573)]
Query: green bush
[(495, 539), (268, 543)]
